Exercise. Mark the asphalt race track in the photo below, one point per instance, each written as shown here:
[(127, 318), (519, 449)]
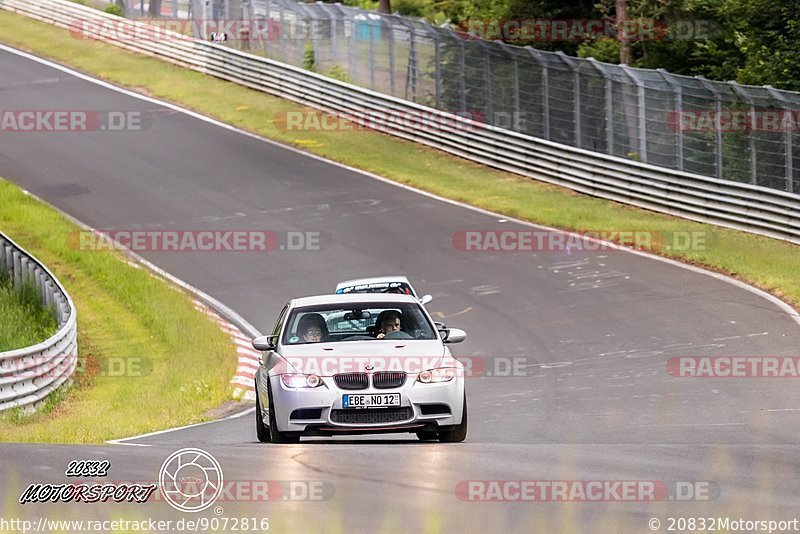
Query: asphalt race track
[(594, 333)]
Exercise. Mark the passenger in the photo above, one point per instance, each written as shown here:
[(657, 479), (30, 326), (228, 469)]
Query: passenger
[(388, 321)]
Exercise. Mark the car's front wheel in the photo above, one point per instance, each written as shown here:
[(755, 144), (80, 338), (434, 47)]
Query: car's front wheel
[(457, 433), (426, 435), (276, 435), (262, 432)]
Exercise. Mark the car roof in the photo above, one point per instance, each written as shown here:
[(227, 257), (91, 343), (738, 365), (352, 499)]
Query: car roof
[(354, 298), (372, 280)]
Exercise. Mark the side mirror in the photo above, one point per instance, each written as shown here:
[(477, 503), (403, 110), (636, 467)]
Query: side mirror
[(264, 343), (426, 299), (455, 335)]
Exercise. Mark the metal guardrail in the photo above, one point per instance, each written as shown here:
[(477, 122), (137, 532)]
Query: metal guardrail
[(747, 207), (29, 374)]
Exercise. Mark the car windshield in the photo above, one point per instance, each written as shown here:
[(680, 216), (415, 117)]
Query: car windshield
[(374, 320), (378, 287)]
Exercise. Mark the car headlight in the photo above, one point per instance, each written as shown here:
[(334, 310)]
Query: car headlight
[(297, 380), (435, 376)]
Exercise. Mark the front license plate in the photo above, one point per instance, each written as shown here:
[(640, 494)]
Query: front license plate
[(383, 400)]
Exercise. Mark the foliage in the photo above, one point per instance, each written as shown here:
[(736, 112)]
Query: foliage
[(309, 58), (339, 73), (751, 41), (603, 49), (115, 9)]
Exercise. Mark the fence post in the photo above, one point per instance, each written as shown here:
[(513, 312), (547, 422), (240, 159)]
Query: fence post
[(787, 139), (352, 43), (334, 44), (545, 92), (283, 33), (487, 79), (750, 135), (389, 26), (678, 89), (515, 119), (576, 90), (640, 112), (718, 110), (462, 82), (370, 28), (437, 83)]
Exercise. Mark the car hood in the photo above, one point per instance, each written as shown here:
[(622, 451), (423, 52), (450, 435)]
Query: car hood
[(327, 359)]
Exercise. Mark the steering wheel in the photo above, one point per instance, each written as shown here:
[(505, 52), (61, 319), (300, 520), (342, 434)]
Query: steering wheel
[(397, 335)]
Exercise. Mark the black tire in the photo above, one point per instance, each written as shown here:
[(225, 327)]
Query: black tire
[(426, 435), (276, 435), (261, 429), (458, 433)]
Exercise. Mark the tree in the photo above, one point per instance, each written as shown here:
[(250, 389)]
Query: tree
[(625, 55)]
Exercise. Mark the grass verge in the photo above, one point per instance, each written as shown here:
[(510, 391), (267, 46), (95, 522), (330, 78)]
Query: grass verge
[(767, 263), (147, 359), (25, 320)]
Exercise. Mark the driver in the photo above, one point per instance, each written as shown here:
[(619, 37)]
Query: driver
[(388, 321), (313, 328)]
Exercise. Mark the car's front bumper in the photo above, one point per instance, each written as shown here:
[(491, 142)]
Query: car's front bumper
[(319, 411)]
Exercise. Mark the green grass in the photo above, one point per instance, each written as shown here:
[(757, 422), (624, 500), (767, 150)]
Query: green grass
[(147, 359), (770, 264), (25, 320)]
